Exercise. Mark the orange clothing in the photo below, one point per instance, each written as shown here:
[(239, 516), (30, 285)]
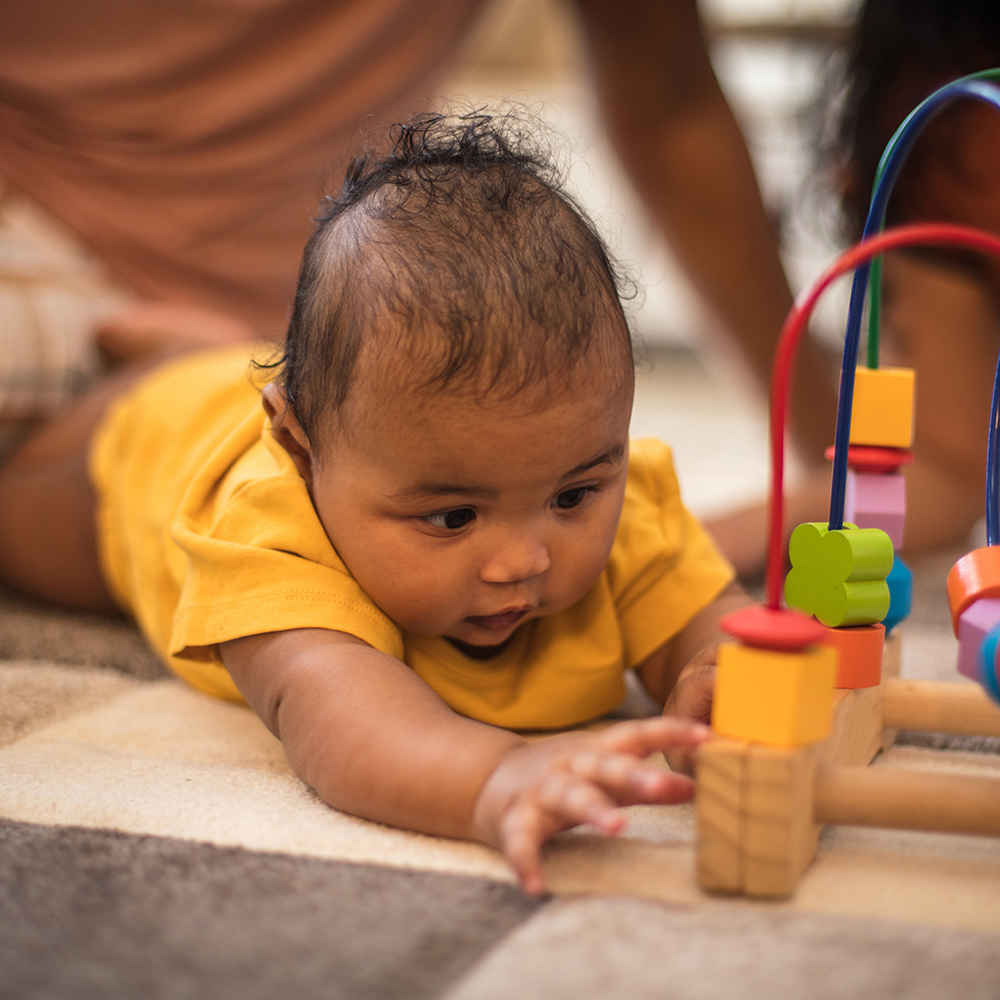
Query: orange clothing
[(186, 143)]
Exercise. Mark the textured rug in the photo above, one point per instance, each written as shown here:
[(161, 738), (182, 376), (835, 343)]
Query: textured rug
[(154, 843)]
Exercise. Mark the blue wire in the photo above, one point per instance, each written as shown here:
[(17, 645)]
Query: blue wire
[(889, 167), (993, 467)]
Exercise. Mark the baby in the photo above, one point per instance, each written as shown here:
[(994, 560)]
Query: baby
[(432, 535)]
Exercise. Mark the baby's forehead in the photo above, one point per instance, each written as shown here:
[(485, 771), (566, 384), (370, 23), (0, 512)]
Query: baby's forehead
[(419, 444), (393, 396)]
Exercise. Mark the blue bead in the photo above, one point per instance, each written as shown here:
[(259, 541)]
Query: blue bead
[(988, 664), (900, 581)]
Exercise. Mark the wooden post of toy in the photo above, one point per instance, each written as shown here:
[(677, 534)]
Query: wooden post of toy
[(918, 800), (939, 707), (907, 800)]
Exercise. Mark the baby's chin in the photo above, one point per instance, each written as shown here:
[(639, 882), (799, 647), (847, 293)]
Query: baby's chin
[(477, 651)]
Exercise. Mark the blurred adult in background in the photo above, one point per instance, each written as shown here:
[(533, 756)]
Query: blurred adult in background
[(941, 309), (184, 144)]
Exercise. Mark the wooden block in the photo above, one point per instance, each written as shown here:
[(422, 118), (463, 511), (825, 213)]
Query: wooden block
[(974, 576), (719, 771), (839, 576), (756, 832), (882, 411), (856, 732), (939, 707), (900, 584), (877, 501), (974, 624), (779, 831), (892, 655), (778, 698), (892, 661)]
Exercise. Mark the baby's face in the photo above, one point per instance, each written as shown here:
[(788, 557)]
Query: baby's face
[(465, 519)]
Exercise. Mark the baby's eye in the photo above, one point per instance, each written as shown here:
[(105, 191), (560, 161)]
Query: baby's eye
[(452, 519), (572, 498)]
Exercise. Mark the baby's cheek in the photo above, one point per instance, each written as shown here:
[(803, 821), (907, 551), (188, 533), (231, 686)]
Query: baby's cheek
[(579, 568), (420, 601)]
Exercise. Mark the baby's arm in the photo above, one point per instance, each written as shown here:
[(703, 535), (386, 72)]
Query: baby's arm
[(681, 673), (372, 739)]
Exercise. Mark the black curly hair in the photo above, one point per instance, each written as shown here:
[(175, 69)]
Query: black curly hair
[(459, 252)]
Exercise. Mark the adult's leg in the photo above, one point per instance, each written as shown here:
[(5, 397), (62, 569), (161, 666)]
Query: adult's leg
[(48, 538)]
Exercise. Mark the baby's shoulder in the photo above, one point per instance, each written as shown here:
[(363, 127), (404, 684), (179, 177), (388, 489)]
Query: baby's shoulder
[(651, 475)]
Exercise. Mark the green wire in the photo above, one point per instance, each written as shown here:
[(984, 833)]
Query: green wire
[(875, 275), (874, 309)]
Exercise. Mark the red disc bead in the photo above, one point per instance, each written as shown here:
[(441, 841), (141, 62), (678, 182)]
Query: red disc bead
[(872, 458), (770, 628)]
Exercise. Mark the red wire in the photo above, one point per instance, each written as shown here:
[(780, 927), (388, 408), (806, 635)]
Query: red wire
[(788, 342)]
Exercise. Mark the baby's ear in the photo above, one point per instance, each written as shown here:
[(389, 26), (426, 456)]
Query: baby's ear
[(287, 430)]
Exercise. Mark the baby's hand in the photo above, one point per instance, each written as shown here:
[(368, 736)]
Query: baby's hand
[(691, 698), (541, 788)]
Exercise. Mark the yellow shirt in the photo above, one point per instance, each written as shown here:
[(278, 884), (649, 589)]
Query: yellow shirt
[(207, 533)]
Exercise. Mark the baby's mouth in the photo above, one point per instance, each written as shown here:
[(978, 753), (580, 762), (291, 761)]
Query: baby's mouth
[(501, 622)]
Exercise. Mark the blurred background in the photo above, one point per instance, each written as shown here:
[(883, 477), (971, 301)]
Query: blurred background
[(778, 62)]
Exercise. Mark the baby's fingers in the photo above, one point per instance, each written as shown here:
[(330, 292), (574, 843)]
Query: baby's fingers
[(562, 801), (645, 736), (628, 781), (522, 832), (571, 800)]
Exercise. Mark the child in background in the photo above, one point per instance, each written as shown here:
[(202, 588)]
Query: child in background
[(941, 308), (433, 532)]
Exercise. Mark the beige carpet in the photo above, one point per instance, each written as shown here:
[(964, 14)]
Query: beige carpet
[(157, 758)]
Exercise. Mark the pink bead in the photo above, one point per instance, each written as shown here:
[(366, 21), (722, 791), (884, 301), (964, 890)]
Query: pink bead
[(975, 622), (877, 501)]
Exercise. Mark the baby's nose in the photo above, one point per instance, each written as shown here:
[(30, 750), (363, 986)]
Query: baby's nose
[(519, 557)]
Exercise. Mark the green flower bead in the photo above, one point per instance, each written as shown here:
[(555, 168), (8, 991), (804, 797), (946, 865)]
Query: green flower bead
[(839, 576)]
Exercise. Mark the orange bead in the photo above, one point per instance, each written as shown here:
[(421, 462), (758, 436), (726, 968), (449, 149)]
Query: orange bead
[(975, 575), (859, 660), (882, 414), (782, 699)]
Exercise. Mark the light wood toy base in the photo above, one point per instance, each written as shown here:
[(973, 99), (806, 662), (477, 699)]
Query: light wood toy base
[(760, 809)]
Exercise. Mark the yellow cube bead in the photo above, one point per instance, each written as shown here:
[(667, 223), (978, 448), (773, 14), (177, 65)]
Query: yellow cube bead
[(882, 413), (777, 698)]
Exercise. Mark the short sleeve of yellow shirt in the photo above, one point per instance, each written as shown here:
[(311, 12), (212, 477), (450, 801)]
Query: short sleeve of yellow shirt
[(207, 533)]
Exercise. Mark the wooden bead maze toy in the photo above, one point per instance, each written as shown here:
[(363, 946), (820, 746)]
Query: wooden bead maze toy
[(807, 694)]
